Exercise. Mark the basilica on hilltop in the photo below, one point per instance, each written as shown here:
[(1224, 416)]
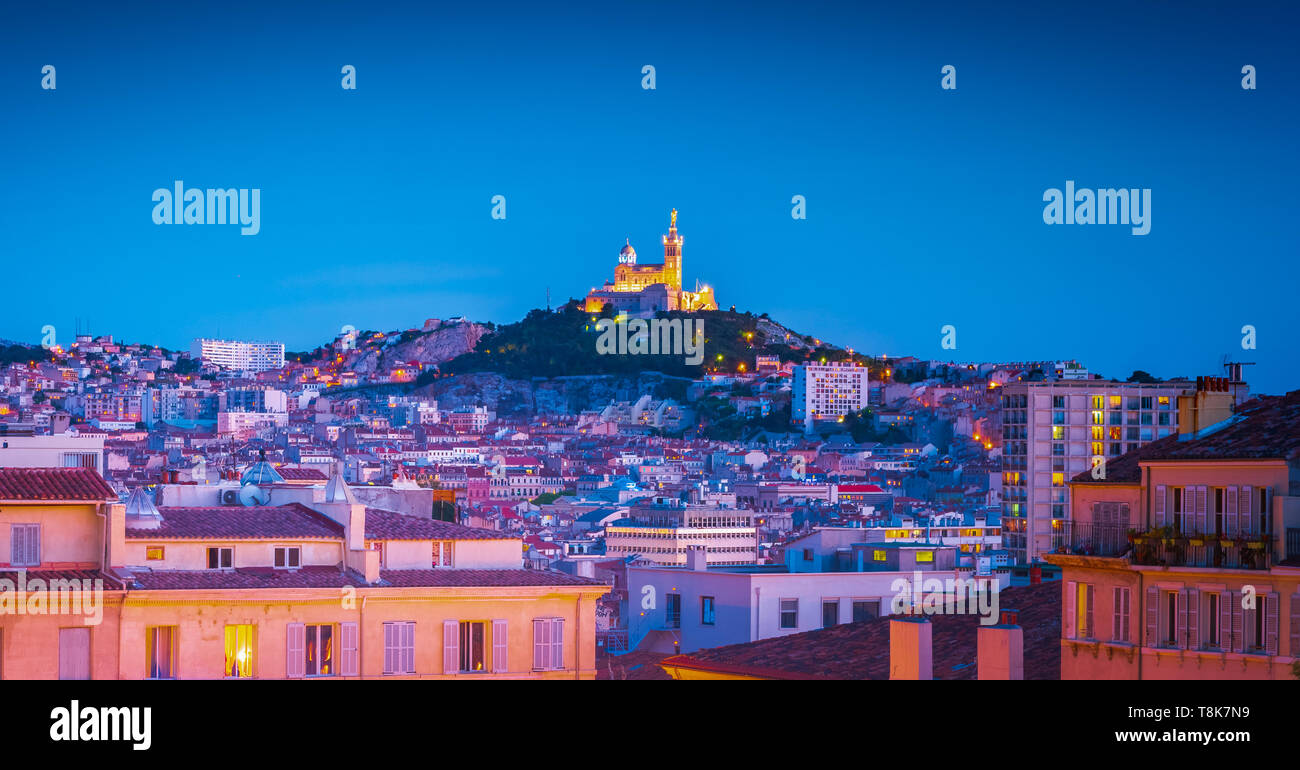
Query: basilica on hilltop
[(643, 290)]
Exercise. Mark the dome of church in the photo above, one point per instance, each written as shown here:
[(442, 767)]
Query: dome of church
[(627, 253)]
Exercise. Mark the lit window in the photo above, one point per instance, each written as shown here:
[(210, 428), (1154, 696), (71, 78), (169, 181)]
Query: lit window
[(160, 651), (879, 556), (925, 556), (240, 651)]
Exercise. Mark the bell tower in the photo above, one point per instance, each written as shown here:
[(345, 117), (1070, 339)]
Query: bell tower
[(673, 255)]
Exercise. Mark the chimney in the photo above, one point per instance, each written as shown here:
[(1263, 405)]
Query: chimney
[(697, 558), (1210, 404), (911, 653), (1035, 574), (1001, 649)]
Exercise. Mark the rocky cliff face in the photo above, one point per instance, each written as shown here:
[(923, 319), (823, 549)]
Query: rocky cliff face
[(433, 347), (553, 396)]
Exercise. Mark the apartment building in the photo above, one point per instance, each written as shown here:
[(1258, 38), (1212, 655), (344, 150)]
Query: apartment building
[(331, 588), (64, 450), (240, 356), (827, 392), (1054, 430), (1184, 563), (664, 531), (126, 406)]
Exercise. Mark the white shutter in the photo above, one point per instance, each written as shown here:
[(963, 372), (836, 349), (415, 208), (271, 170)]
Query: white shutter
[(1162, 493), (1244, 509), (1153, 617), (74, 653), (348, 649), (34, 545), (1071, 595), (557, 644), (1200, 509), (17, 545), (1181, 602), (408, 648), (541, 644), (1117, 614), (390, 648), (1295, 626), (1225, 620), (499, 647), (450, 646), (1230, 517), (295, 665), (1238, 639), (1193, 619), (1271, 624)]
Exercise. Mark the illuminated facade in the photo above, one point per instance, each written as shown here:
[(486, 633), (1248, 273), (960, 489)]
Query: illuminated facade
[(645, 289)]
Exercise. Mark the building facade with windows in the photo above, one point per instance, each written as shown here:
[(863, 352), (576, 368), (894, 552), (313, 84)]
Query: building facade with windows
[(327, 589), (239, 356), (1052, 431), (827, 392), (1184, 563)]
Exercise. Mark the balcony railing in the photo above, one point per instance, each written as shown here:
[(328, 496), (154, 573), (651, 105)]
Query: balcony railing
[(1163, 547)]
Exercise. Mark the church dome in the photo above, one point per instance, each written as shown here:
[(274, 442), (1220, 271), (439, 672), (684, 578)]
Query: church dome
[(627, 254)]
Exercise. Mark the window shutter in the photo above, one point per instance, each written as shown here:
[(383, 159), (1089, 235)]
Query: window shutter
[(1127, 618), (1116, 616), (1267, 493), (1153, 615), (390, 648), (1193, 622), (1271, 624), (1238, 640), (34, 545), (408, 648), (1090, 633), (74, 653), (1230, 516), (541, 644), (450, 646), (557, 644), (499, 647), (1200, 508), (17, 545), (1181, 600), (1162, 493), (296, 665), (1071, 596), (1225, 620), (348, 649), (1243, 510)]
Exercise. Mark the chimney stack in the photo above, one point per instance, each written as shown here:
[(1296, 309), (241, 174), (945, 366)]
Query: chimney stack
[(911, 651), (1001, 649), (697, 558)]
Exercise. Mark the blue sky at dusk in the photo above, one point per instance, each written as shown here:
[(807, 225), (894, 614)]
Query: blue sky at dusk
[(924, 206)]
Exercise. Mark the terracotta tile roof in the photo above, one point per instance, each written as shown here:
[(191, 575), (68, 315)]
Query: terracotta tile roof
[(403, 578), (294, 520), (1265, 427), (861, 650), (54, 484), (245, 578), (301, 474), (390, 525), (635, 665), (110, 582)]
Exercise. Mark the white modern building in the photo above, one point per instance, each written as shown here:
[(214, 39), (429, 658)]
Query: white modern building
[(240, 356), (65, 450), (824, 392)]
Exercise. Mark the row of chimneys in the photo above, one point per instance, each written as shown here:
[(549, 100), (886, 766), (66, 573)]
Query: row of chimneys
[(1000, 648)]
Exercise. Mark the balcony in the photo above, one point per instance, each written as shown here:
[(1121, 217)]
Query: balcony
[(1163, 546)]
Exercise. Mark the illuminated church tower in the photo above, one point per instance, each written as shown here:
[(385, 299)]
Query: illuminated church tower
[(646, 289)]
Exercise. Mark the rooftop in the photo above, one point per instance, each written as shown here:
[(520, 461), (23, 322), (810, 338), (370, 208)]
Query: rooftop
[(54, 484)]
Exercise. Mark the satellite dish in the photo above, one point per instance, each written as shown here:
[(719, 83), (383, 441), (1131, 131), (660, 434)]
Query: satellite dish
[(251, 494)]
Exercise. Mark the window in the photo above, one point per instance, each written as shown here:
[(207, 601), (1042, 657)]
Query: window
[(673, 612), (830, 612), (240, 650), (473, 637), (154, 553), (221, 558), (548, 644), (74, 653), (442, 553), (1083, 611), (865, 609), (1210, 624), (399, 647), (789, 613), (25, 545), (879, 556), (708, 612), (1121, 615), (924, 556), (160, 652), (1170, 620), (288, 557), (81, 460), (318, 656)]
